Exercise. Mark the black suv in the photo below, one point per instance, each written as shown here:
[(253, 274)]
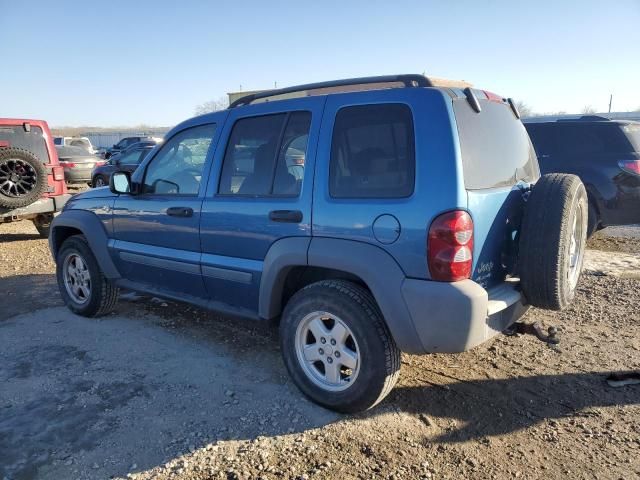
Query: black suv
[(604, 153)]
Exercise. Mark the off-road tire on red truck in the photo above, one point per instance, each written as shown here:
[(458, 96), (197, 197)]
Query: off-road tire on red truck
[(23, 178), (552, 241)]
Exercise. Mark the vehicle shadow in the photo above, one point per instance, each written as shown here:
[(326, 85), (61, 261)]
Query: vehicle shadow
[(155, 380), (490, 407), (18, 237), (26, 293)]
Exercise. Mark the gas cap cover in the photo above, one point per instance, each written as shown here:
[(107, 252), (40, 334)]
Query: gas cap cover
[(386, 229)]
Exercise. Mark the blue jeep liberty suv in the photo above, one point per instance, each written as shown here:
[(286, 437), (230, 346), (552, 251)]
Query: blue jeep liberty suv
[(368, 216)]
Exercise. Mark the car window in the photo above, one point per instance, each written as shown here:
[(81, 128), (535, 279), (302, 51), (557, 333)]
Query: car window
[(15, 136), (259, 158), (496, 150), (292, 155), (177, 167), (372, 152), (592, 139), (543, 138), (130, 158)]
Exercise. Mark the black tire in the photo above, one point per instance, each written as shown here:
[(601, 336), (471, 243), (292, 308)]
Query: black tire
[(43, 224), (103, 293), (23, 178), (379, 357), (593, 224), (94, 182), (544, 263)]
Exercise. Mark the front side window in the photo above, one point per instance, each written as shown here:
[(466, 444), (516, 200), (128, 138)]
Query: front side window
[(372, 152), (177, 168), (266, 155)]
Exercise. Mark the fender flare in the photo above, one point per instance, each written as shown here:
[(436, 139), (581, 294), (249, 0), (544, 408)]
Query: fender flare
[(92, 228), (283, 255), (377, 269)]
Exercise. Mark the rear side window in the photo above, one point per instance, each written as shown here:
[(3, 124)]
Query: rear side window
[(372, 152), (593, 139), (33, 141), (265, 155), (496, 150)]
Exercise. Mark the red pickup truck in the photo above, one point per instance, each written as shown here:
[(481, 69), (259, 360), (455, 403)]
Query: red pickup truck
[(32, 183)]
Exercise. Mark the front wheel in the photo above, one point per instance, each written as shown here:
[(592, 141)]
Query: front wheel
[(99, 181), (83, 287), (336, 346)]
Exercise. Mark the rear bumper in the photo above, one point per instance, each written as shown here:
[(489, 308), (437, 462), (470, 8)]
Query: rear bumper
[(78, 175), (455, 317), (44, 205)]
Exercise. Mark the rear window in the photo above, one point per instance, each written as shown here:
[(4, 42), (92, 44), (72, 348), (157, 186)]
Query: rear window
[(372, 152), (33, 141), (496, 150)]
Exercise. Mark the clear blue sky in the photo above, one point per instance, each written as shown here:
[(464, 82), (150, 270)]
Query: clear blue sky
[(132, 62)]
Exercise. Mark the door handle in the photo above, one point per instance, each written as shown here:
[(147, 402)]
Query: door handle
[(285, 216), (180, 211)]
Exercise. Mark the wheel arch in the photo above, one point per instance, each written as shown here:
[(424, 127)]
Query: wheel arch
[(293, 263), (82, 222)]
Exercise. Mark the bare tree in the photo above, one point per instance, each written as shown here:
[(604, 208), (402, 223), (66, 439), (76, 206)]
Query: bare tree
[(588, 110), (212, 106), (524, 109)]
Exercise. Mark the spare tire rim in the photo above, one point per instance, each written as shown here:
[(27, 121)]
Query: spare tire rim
[(77, 280), (576, 247), (17, 178), (327, 351)]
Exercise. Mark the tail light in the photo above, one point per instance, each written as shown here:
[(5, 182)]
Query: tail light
[(58, 173), (630, 166), (450, 247), (65, 163), (100, 163)]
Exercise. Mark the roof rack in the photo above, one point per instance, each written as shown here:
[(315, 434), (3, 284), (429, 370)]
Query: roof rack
[(409, 80)]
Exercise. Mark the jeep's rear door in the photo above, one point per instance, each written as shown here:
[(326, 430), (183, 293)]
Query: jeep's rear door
[(260, 191), (498, 163)]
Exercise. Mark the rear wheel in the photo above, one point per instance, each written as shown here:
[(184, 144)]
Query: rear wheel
[(83, 287), (337, 347), (552, 240), (594, 220)]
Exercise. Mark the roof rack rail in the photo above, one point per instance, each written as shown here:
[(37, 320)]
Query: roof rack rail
[(409, 80)]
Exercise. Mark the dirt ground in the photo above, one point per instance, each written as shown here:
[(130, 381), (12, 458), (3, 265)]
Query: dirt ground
[(163, 390)]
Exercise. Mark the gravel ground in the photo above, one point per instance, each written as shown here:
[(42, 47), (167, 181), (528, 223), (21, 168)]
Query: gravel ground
[(163, 390)]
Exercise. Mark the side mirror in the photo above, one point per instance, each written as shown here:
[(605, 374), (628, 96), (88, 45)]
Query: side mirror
[(120, 182)]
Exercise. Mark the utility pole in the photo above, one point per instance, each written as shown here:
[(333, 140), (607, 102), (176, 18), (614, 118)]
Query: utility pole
[(610, 101)]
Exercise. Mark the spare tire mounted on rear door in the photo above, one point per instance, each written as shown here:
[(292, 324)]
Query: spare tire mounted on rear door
[(23, 178), (552, 240)]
